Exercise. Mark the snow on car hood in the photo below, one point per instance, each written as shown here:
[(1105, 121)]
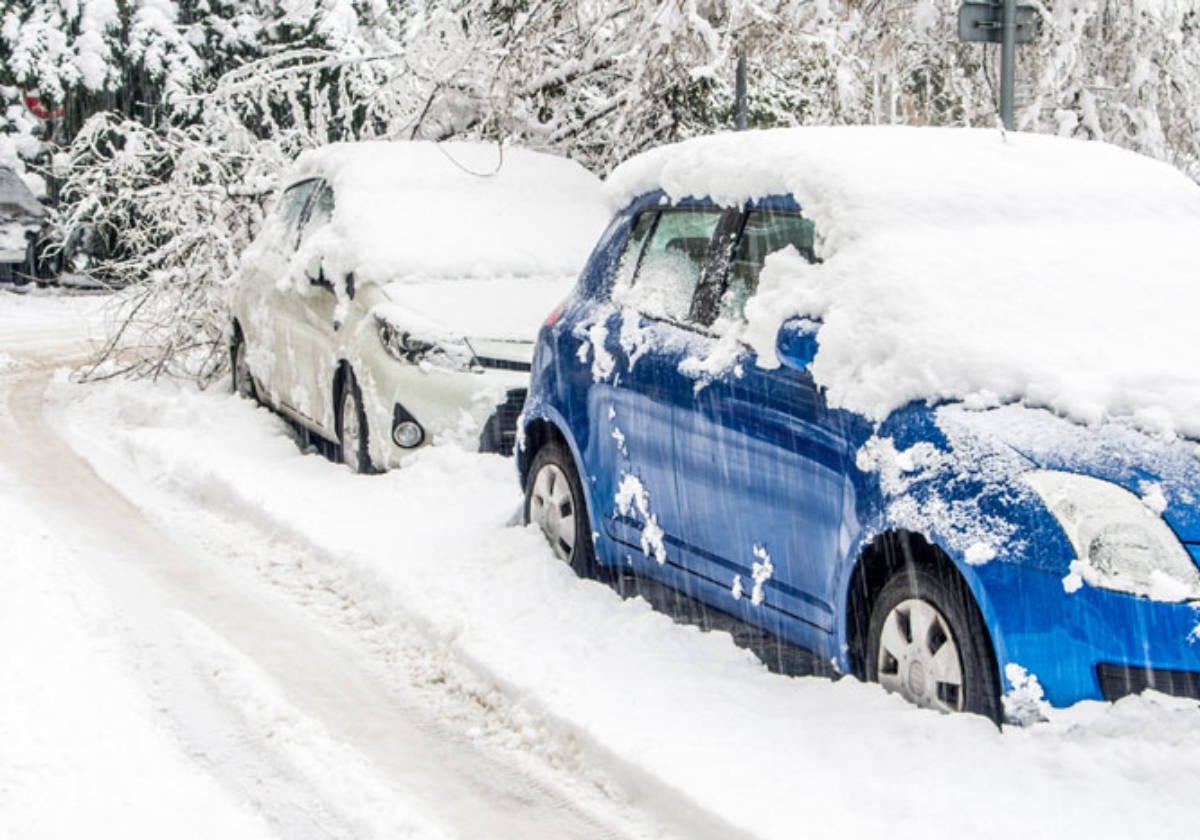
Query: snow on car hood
[(500, 309), (968, 264), (1163, 471), (416, 210)]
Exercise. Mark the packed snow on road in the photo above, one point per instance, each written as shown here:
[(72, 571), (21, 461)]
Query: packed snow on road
[(209, 632)]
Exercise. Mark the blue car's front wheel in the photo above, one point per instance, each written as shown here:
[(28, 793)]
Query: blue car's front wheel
[(928, 644)]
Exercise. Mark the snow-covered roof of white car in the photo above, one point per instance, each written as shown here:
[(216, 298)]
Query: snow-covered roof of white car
[(969, 264), (419, 210)]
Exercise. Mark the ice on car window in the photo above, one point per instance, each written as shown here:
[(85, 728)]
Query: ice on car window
[(638, 234), (764, 233), (320, 210), (673, 261), (291, 206)]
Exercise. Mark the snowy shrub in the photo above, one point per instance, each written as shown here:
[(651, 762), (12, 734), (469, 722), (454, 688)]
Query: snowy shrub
[(169, 215), (235, 88)]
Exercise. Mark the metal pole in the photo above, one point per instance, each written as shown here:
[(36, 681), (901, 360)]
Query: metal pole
[(739, 93), (1008, 60)]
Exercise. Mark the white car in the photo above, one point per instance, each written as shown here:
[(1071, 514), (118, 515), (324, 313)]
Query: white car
[(394, 293)]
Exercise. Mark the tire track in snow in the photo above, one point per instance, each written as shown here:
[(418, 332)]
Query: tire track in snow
[(226, 654)]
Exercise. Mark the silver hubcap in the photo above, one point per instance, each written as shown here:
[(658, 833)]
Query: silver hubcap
[(918, 657), (552, 507), (350, 430)]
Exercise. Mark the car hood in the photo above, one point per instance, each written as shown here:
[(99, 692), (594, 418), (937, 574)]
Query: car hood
[(1163, 471), (498, 312)]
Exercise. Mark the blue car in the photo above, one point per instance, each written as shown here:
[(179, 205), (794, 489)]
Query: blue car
[(958, 549)]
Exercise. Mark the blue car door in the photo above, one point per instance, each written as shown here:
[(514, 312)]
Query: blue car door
[(763, 465), (640, 348)]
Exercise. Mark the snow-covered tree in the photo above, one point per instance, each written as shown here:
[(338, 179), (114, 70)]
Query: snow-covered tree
[(256, 81)]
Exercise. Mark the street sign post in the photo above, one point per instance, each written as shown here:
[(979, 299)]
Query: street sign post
[(1005, 23)]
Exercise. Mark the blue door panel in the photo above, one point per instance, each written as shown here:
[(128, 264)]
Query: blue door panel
[(763, 438)]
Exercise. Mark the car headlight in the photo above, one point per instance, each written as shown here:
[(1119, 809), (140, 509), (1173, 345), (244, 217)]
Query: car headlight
[(1120, 543), (453, 354)]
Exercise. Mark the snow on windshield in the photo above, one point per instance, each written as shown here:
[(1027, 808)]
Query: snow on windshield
[(419, 210), (968, 264)]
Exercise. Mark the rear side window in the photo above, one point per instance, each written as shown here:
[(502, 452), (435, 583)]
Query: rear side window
[(764, 232), (291, 207), (320, 210), (638, 234), (672, 261)]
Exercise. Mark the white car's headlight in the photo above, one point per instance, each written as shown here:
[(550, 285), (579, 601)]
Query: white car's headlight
[(1120, 543), (453, 354)]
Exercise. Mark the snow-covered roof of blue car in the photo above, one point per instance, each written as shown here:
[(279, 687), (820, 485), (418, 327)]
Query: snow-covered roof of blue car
[(968, 264)]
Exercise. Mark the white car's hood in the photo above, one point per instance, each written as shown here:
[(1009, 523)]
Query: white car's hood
[(502, 309)]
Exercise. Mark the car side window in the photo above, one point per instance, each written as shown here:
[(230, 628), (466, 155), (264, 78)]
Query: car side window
[(291, 207), (763, 233), (673, 260), (320, 209), (639, 232)]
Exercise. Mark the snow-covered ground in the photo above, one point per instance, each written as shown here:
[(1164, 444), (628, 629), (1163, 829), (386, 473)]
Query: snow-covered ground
[(132, 713)]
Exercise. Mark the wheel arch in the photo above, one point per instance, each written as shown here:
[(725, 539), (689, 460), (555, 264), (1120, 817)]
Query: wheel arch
[(536, 433), (888, 554)]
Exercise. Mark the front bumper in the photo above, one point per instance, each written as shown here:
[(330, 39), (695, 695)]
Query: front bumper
[(474, 410), (1091, 644)]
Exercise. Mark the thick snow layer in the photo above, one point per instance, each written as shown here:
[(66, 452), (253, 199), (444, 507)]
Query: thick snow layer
[(505, 308), (969, 264), (420, 210), (666, 705)]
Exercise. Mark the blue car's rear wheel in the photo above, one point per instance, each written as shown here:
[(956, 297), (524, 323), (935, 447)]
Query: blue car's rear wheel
[(554, 502), (927, 643)]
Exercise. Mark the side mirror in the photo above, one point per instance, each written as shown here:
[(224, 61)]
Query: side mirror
[(796, 344)]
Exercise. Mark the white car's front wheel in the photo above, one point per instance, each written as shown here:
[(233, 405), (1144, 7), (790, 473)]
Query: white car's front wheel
[(352, 427)]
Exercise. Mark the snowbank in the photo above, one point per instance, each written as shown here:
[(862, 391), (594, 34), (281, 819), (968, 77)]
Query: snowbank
[(664, 706), (413, 210), (968, 264)]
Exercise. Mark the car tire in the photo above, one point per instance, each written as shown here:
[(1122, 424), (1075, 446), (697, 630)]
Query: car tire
[(554, 501), (353, 443), (927, 643), (242, 381)]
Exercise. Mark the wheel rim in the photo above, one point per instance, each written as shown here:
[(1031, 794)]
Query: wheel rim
[(552, 507), (241, 371), (351, 433), (918, 657)]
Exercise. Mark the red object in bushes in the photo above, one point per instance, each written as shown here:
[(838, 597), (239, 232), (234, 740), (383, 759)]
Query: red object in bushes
[(38, 108)]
